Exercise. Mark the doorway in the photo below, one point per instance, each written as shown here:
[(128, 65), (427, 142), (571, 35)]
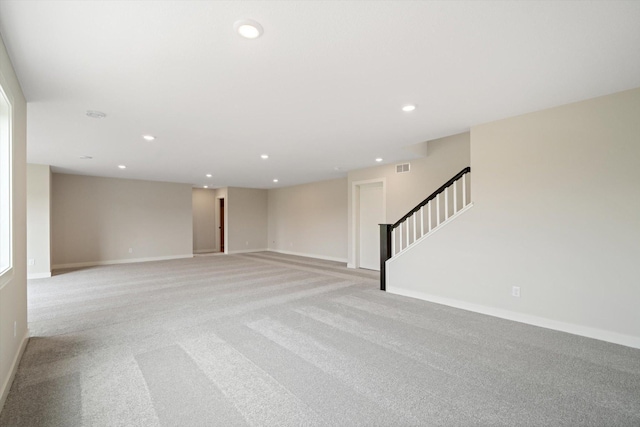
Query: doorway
[(221, 224), (369, 212)]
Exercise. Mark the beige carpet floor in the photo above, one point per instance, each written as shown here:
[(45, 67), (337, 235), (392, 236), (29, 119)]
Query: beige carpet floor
[(273, 340)]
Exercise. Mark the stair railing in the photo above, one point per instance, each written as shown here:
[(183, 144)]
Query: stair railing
[(428, 215)]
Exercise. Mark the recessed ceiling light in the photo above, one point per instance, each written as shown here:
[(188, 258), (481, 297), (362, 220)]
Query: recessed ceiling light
[(208, 175), (264, 156), (275, 180), (205, 186), (96, 114), (122, 166), (379, 159), (149, 137), (337, 168), (248, 28), (408, 108), (86, 157)]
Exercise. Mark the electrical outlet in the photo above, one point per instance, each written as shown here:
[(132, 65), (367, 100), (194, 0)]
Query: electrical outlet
[(515, 291), (31, 261), (130, 250)]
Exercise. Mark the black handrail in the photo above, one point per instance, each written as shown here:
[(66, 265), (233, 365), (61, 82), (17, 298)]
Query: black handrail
[(432, 196)]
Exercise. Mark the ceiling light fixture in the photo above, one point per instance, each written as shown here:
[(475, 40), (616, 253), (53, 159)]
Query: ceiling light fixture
[(86, 157), (379, 159), (149, 137), (122, 166), (408, 108), (264, 156), (96, 114), (275, 180), (248, 28), (205, 186), (208, 175)]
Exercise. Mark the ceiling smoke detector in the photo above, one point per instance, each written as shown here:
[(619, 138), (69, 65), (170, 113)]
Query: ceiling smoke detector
[(96, 114)]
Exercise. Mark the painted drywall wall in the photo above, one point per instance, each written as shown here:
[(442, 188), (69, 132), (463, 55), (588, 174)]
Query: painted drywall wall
[(556, 213), (204, 220), (246, 220), (98, 220), (14, 333), (38, 221), (445, 157), (309, 220)]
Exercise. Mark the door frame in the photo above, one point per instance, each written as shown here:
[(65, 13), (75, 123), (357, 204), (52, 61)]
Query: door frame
[(222, 224), (355, 214)]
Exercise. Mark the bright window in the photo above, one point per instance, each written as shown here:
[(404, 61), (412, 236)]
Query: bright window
[(5, 187)]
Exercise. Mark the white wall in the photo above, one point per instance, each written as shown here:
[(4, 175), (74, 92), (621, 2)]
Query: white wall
[(96, 220), (39, 221), (204, 220), (309, 220), (13, 291), (556, 212), (246, 220), (446, 157)]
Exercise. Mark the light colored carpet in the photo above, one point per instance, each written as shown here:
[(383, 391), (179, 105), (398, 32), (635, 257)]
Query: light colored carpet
[(273, 340)]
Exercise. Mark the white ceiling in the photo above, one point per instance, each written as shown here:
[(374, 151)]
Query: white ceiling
[(321, 89)]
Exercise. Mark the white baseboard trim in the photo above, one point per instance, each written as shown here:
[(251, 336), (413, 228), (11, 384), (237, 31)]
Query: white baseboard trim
[(246, 251), (120, 261), (38, 275), (316, 256), (585, 331), (6, 386), (204, 251)]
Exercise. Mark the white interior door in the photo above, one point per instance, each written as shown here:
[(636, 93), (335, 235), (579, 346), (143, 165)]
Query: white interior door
[(370, 215)]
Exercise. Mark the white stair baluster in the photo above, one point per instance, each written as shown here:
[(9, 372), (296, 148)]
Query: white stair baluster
[(464, 190), (429, 209), (400, 234), (415, 229), (406, 221), (446, 203), (393, 241), (438, 210), (421, 221), (455, 197)]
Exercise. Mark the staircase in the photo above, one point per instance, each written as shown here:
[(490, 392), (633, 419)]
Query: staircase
[(441, 207)]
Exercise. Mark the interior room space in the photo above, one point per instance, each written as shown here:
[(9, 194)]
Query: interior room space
[(354, 213)]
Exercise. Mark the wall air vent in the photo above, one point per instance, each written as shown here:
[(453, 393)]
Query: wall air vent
[(405, 167)]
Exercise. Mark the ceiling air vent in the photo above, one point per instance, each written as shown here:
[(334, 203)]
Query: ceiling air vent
[(405, 167)]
